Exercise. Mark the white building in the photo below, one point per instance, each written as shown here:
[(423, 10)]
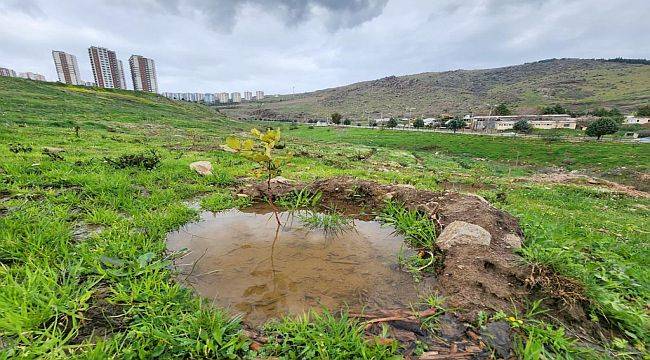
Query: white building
[(7, 72), (208, 98), (259, 95), (107, 69), (67, 68), (143, 73), (235, 97), (636, 120), (500, 123), (224, 98), (31, 76), (248, 95)]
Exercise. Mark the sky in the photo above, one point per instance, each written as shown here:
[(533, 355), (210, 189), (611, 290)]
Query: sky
[(282, 46)]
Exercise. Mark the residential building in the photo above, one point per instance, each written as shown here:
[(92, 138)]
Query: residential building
[(143, 73), (107, 69), (32, 76), (67, 68), (7, 72), (235, 97), (248, 96), (208, 98), (259, 95), (636, 120), (89, 83), (223, 97), (500, 123)]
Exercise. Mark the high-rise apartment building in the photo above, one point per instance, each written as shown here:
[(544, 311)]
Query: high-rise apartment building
[(31, 76), (67, 68), (107, 69), (143, 73), (259, 95), (235, 97), (223, 97), (248, 96), (7, 72)]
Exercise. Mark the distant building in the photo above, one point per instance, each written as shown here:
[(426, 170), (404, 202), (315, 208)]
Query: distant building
[(89, 83), (67, 68), (636, 120), (430, 122), (143, 73), (208, 98), (32, 76), (7, 72), (224, 98), (500, 123), (235, 97), (248, 96), (107, 69), (259, 95)]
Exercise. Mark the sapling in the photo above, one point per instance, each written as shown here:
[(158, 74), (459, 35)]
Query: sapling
[(261, 152)]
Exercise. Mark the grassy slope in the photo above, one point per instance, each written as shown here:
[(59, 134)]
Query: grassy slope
[(53, 281), (576, 83)]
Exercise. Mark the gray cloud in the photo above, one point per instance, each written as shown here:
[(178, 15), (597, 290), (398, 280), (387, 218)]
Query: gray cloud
[(277, 45), (222, 15)]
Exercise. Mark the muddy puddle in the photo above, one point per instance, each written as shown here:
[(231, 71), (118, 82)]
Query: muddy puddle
[(234, 262)]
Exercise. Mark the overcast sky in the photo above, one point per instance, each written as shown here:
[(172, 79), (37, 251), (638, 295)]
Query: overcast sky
[(276, 45)]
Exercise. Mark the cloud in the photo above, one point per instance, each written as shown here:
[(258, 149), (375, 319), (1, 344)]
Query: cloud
[(222, 15), (276, 45)]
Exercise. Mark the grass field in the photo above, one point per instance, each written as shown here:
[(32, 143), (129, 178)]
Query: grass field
[(82, 241)]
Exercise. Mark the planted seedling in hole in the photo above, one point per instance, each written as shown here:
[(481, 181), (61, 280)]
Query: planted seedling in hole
[(261, 152)]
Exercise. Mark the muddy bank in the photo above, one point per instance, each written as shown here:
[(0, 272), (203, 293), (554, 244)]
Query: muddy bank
[(473, 278)]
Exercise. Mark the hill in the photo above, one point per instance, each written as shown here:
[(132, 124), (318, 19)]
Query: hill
[(576, 83)]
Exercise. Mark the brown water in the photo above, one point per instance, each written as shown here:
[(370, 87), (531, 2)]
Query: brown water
[(240, 268)]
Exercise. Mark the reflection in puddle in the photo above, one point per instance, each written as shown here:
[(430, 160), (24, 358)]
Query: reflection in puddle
[(240, 268)]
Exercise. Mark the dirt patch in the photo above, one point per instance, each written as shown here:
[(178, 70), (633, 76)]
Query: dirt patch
[(579, 179), (473, 278), (101, 319)]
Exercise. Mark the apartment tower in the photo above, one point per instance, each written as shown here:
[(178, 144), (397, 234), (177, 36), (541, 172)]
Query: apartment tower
[(143, 73), (107, 69), (7, 72), (67, 68), (259, 95)]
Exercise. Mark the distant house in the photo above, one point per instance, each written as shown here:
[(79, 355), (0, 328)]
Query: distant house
[(500, 123), (322, 123), (430, 122), (636, 120)]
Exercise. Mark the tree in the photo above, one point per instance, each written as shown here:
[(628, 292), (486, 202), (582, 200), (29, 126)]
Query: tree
[(502, 110), (456, 124), (643, 111), (523, 126), (372, 123), (602, 127), (347, 122), (418, 123), (392, 122), (336, 118)]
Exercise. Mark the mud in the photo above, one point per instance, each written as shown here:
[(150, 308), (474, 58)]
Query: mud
[(244, 262), (585, 180), (474, 278)]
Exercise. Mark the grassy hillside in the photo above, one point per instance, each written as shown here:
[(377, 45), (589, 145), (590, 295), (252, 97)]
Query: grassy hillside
[(575, 83), (84, 271)]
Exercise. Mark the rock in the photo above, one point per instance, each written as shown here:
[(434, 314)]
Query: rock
[(513, 241), (202, 167), (463, 233), (281, 180), (450, 329), (52, 150), (497, 336)]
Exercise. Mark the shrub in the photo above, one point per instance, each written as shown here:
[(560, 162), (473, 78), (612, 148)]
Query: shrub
[(456, 124), (502, 110), (523, 126), (418, 123), (148, 160), (347, 122), (392, 122), (643, 110), (336, 118)]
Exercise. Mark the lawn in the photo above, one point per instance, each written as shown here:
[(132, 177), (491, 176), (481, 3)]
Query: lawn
[(82, 241)]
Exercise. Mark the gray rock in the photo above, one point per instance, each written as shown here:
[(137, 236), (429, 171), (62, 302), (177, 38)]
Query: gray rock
[(202, 167), (513, 241), (497, 336), (463, 233)]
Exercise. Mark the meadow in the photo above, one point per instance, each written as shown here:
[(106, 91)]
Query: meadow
[(82, 247)]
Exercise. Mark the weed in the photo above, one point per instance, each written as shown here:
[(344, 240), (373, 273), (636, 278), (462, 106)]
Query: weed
[(300, 199), (147, 161), (322, 336), (418, 230), (17, 148), (331, 223)]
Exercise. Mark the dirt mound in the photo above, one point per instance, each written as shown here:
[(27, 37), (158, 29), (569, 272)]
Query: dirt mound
[(579, 179), (473, 278)]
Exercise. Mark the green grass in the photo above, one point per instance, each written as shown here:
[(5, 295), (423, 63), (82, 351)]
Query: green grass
[(330, 223), (82, 241)]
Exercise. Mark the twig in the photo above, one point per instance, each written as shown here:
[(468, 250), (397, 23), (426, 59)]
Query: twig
[(196, 262)]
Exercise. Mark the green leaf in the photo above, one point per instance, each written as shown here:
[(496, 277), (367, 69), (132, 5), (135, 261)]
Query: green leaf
[(233, 143), (248, 144), (145, 259)]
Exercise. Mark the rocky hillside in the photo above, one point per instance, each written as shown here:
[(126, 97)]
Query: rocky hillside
[(576, 83)]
